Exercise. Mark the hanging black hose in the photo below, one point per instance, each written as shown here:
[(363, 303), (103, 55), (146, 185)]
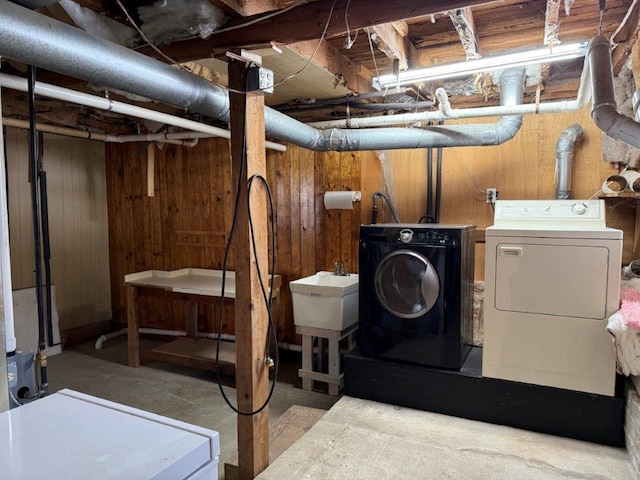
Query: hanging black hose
[(46, 248), (374, 215), (33, 178)]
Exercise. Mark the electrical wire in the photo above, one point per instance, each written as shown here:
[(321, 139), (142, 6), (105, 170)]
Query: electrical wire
[(268, 301), (373, 53), (146, 39), (324, 34)]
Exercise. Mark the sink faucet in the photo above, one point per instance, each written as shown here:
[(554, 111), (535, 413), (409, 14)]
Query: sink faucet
[(340, 270)]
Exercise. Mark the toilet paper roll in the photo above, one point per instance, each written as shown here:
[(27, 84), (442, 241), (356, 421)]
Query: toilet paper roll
[(341, 200)]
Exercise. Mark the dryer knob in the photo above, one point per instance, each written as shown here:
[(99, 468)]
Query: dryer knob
[(579, 208), (406, 236)]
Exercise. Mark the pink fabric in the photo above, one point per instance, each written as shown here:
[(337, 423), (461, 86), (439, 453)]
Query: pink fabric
[(630, 307)]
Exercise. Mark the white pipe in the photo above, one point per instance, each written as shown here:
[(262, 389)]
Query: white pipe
[(72, 96), (181, 333), (103, 338), (445, 112), (5, 258)]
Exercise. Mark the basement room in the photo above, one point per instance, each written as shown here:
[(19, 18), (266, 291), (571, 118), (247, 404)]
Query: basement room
[(320, 239)]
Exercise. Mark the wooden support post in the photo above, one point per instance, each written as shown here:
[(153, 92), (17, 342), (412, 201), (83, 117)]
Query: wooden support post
[(251, 318), (133, 341)]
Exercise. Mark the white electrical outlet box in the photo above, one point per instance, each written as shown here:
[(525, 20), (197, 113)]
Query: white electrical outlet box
[(491, 195)]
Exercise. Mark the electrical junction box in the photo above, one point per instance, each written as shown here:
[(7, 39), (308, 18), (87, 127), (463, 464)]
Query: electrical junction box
[(259, 79), (21, 376)]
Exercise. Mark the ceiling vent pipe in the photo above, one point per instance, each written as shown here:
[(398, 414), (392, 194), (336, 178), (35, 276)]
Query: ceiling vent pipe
[(564, 159), (38, 40), (604, 110)]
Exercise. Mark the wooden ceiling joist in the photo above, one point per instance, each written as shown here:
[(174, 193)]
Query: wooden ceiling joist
[(354, 77), (625, 37), (552, 23), (391, 43), (462, 20), (307, 22)]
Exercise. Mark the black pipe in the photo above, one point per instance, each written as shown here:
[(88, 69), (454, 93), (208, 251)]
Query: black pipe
[(33, 178), (436, 214), (46, 248), (429, 216)]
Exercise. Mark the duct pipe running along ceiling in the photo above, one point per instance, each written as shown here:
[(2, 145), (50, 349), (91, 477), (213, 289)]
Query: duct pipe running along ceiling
[(38, 40)]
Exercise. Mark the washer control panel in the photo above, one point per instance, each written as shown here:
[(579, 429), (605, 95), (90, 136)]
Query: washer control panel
[(427, 237)]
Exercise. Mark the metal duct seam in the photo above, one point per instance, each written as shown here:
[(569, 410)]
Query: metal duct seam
[(38, 40), (604, 109), (564, 159)]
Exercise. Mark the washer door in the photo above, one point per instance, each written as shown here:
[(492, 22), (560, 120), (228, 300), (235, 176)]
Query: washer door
[(407, 284)]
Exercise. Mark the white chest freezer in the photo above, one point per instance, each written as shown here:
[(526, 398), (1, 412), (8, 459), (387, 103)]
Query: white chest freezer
[(70, 435)]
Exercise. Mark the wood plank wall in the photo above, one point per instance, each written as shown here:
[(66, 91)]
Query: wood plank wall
[(76, 183), (187, 221)]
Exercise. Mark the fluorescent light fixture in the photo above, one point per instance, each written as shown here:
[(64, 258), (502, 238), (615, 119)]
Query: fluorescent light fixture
[(514, 59)]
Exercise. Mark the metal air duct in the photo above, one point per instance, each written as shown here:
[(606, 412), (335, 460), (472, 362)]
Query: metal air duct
[(564, 159), (38, 40), (604, 109)]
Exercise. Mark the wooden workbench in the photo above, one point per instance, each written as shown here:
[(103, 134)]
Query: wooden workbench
[(193, 286)]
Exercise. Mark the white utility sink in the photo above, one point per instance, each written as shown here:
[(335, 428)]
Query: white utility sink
[(325, 300)]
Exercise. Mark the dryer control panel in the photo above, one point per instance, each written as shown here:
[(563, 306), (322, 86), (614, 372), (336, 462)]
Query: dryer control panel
[(568, 213)]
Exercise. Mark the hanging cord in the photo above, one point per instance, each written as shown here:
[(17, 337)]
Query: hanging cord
[(324, 34), (268, 301), (33, 178)]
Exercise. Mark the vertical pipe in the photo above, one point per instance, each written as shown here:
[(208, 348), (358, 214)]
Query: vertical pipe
[(430, 185), (46, 248), (33, 176)]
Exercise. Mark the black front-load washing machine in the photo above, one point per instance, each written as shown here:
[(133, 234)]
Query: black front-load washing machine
[(416, 292)]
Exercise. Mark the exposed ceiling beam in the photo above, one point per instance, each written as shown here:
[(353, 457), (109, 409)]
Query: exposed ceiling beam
[(246, 7), (391, 43), (306, 22), (462, 20), (353, 76), (625, 37), (552, 23)]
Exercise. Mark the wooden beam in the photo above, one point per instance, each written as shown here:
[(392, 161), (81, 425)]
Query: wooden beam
[(391, 43), (246, 7), (251, 316), (307, 22), (625, 37), (552, 23), (355, 77), (462, 20)]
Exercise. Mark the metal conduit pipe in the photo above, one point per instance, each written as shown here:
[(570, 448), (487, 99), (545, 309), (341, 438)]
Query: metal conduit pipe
[(80, 98), (33, 38), (564, 159), (445, 112), (604, 110), (179, 139)]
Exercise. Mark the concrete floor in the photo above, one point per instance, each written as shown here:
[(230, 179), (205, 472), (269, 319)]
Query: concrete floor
[(356, 440)]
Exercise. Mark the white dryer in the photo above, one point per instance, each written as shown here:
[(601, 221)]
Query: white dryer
[(552, 278)]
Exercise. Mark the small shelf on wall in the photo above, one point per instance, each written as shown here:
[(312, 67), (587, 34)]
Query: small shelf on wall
[(624, 194)]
